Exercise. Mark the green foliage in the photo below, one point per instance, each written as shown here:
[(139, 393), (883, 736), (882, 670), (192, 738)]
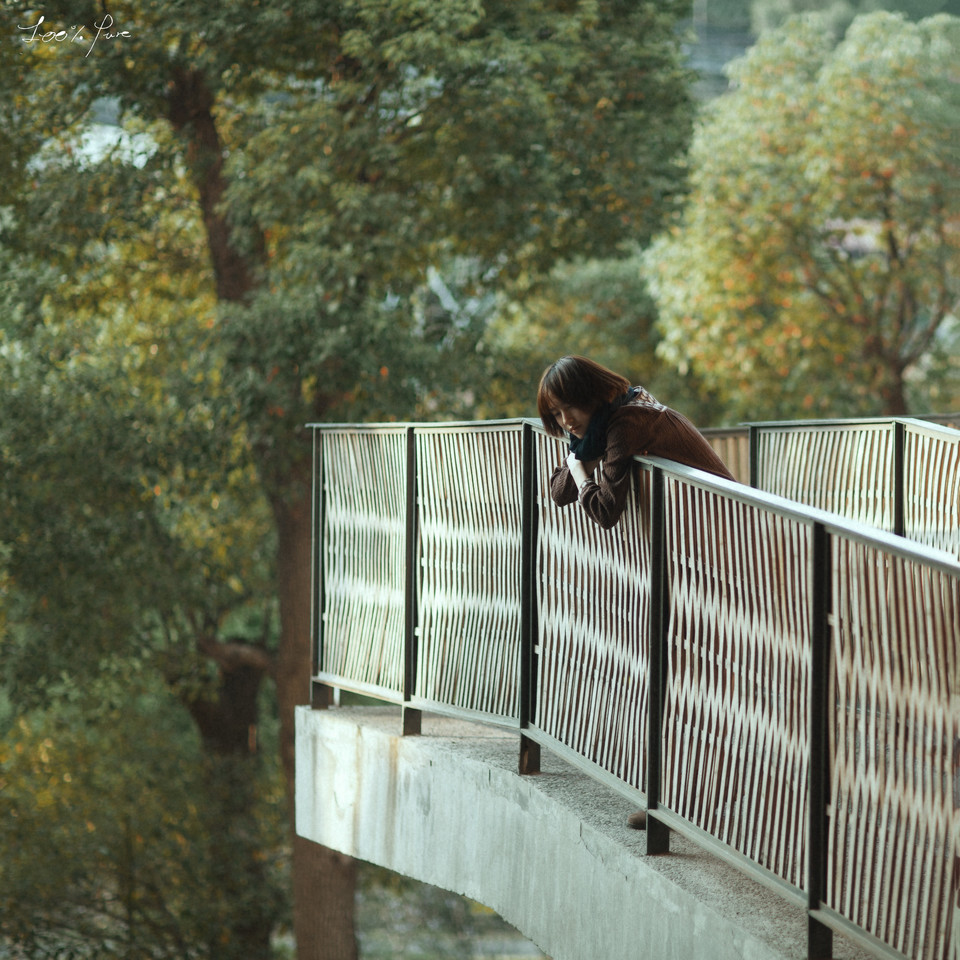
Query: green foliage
[(506, 137), (817, 264), (132, 528), (258, 249), (767, 15), (369, 140), (357, 145), (112, 827), (601, 309), (129, 510)]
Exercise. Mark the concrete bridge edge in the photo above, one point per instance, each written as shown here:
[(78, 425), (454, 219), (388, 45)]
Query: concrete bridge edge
[(550, 853)]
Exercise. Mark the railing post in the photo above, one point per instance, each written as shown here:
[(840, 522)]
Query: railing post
[(754, 442), (411, 717), (819, 936), (320, 693), (899, 478), (529, 749), (658, 834)]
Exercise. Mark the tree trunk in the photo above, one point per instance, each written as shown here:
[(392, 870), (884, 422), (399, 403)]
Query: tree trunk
[(243, 908), (323, 880), (887, 373), (893, 391)]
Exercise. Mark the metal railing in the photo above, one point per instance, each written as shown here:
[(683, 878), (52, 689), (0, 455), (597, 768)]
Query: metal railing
[(772, 681), (732, 444), (900, 475)]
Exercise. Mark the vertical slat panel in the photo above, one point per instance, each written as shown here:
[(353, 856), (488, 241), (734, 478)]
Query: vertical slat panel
[(732, 445), (470, 511), (593, 602), (736, 749), (896, 625), (845, 469), (932, 488), (364, 557)]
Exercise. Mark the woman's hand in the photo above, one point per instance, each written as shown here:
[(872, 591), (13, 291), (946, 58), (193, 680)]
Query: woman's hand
[(580, 471)]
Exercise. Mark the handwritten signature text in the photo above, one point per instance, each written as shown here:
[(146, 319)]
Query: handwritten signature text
[(103, 30)]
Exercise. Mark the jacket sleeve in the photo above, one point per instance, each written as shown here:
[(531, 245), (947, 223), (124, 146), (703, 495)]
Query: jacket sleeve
[(605, 499), (563, 489), (604, 496)]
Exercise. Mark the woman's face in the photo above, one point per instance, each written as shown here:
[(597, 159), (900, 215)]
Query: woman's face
[(573, 419)]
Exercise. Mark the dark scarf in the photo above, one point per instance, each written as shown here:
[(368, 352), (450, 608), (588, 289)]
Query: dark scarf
[(593, 443)]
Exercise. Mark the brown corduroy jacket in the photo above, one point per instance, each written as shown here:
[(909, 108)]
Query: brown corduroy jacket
[(640, 427)]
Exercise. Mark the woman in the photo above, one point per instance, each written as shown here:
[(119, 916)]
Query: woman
[(610, 422)]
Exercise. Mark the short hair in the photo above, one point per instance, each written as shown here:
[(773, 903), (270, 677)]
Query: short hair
[(579, 382)]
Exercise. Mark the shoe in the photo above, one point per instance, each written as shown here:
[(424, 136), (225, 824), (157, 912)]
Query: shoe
[(637, 820)]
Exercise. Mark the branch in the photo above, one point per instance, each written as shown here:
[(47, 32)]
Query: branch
[(190, 111), (230, 656), (917, 342)]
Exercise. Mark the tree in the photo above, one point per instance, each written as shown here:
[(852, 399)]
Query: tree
[(111, 849), (333, 154), (766, 15), (599, 308), (816, 267), (134, 539)]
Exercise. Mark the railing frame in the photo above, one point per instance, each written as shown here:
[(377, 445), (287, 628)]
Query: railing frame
[(819, 935), (529, 747), (320, 692), (899, 426), (412, 716), (822, 922), (658, 831)]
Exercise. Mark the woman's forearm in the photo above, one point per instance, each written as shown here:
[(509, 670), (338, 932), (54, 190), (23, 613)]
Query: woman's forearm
[(578, 470)]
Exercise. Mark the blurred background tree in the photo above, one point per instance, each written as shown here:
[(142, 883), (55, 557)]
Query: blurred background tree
[(767, 15), (599, 308), (113, 844), (723, 30), (136, 543), (816, 267)]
